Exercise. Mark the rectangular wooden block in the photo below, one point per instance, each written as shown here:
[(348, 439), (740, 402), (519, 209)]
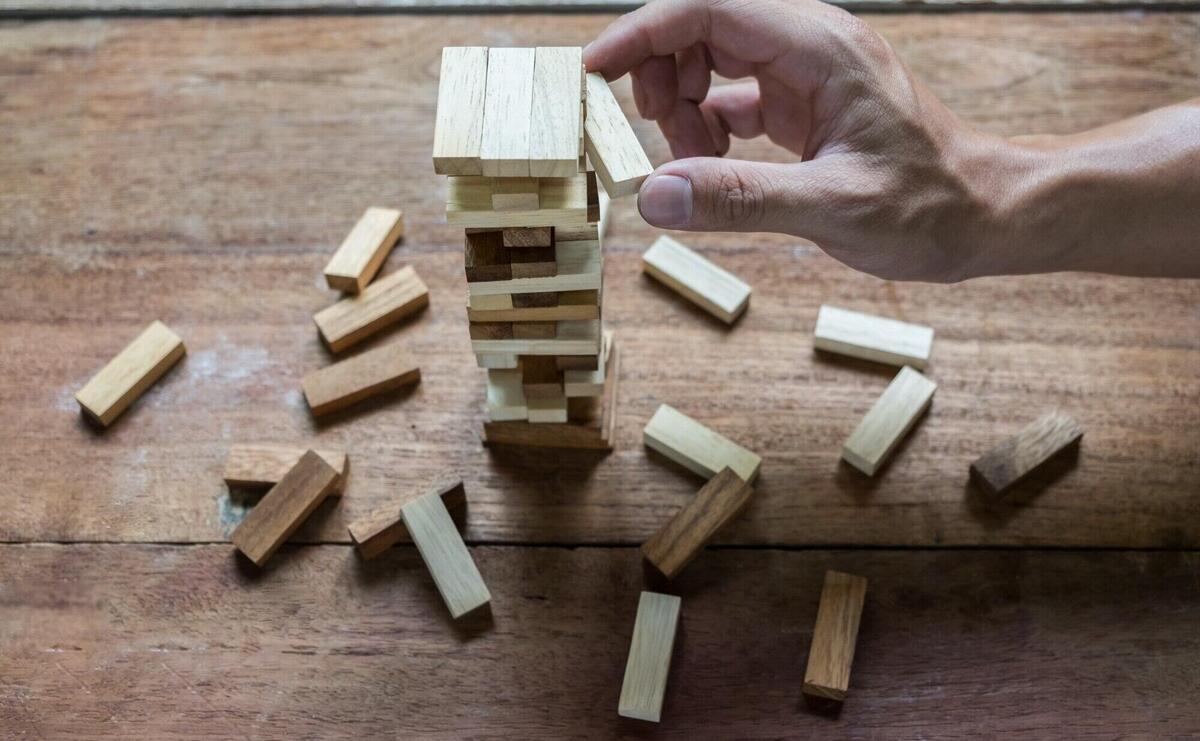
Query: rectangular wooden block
[(682, 538), (705, 284), (572, 338), (384, 528), (285, 507), (485, 257), (543, 409), (696, 447), (649, 660), (350, 381), (555, 313), (834, 636), (492, 302), (611, 144), (536, 236), (364, 249), (579, 269), (490, 330), (458, 129), (540, 378), (534, 300), (515, 194), (593, 198), (563, 203), (580, 233), (130, 373), (872, 337), (889, 420), (507, 104), (533, 262), (1008, 463), (587, 382), (261, 465), (446, 556), (498, 361), (557, 89), (381, 304), (506, 395), (534, 330)]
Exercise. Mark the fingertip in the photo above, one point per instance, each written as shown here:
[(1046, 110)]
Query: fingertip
[(665, 201)]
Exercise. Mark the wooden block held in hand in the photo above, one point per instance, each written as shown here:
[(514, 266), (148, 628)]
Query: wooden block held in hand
[(515, 194), (384, 528), (445, 555), (889, 420), (350, 381), (683, 536), (258, 465), (710, 287), (485, 257), (285, 507), (381, 304), (130, 373), (1008, 463), (611, 144), (538, 236), (870, 337), (696, 447), (834, 636), (556, 123), (649, 660), (507, 108), (364, 249), (458, 131)]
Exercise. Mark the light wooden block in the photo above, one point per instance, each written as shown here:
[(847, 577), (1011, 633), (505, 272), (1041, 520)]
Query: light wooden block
[(364, 249), (611, 144), (515, 194), (534, 330), (872, 337), (555, 119), (834, 636), (700, 281), (533, 262), (578, 383), (573, 338), (506, 395), (384, 528), (262, 465), (563, 203), (458, 129), (350, 381), (1008, 463), (681, 539), (889, 420), (130, 373), (649, 660), (579, 269), (544, 410), (696, 447), (496, 361), (285, 507), (446, 556), (538, 236), (379, 305), (507, 103)]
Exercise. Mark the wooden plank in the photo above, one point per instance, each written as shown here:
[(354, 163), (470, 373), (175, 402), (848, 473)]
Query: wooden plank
[(834, 636), (681, 538), (491, 302), (649, 660), (445, 555), (506, 395), (361, 377), (1007, 464), (611, 145), (709, 286), (573, 338), (255, 465), (892, 416), (563, 203), (507, 108), (458, 132), (872, 337), (696, 447), (127, 376), (381, 304), (557, 88), (579, 268), (519, 194), (364, 249), (375, 533), (285, 507)]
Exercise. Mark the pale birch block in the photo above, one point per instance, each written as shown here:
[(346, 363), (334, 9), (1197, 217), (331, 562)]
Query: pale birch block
[(458, 130), (384, 528), (649, 661), (611, 144), (445, 555), (889, 420), (545, 410), (572, 338), (364, 249), (580, 268), (696, 447), (350, 381), (507, 104), (563, 202), (506, 395), (870, 337), (381, 304), (835, 634), (712, 288), (555, 120), (127, 376), (516, 194), (253, 465)]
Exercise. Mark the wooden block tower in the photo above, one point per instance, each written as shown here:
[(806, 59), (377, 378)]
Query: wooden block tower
[(518, 131)]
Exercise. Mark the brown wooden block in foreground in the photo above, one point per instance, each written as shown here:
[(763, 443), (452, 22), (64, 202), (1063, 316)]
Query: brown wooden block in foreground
[(384, 302), (649, 660), (691, 528), (1008, 463), (285, 507), (339, 385), (364, 249), (536, 236), (258, 465), (130, 373), (485, 257), (834, 636), (384, 527)]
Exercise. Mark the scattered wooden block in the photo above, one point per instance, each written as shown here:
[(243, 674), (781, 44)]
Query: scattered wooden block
[(384, 528), (579, 269), (578, 383), (515, 194), (649, 660), (383, 303), (696, 447), (556, 123), (563, 203), (256, 465), (889, 420), (364, 249), (350, 381), (445, 555), (485, 257), (534, 330), (130, 373), (533, 262), (572, 338), (545, 409), (507, 103), (611, 144), (834, 636), (872, 337), (710, 287), (687, 533), (498, 361), (1008, 463), (458, 131), (285, 507), (536, 236), (506, 395)]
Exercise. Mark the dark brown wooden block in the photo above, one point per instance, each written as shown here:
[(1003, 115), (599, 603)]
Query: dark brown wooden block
[(534, 300), (533, 262), (486, 258), (540, 378), (285, 507), (593, 198), (537, 236), (691, 528), (1005, 465), (577, 362)]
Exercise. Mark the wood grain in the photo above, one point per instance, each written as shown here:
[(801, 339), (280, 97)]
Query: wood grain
[(445, 555), (1005, 465), (384, 528), (697, 279), (649, 661), (890, 418), (250, 465), (507, 104), (285, 507), (381, 304), (364, 249), (134, 369), (684, 536), (835, 633), (352, 381), (613, 148)]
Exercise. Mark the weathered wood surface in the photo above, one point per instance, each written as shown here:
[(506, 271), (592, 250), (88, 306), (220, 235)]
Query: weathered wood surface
[(202, 171)]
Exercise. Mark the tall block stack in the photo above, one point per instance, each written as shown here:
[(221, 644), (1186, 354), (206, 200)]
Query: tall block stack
[(513, 134)]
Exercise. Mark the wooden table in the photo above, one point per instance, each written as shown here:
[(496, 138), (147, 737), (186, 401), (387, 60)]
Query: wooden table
[(200, 170)]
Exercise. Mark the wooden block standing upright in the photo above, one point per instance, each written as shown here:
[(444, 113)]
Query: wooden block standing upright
[(258, 465), (889, 420), (446, 556), (710, 287), (1008, 463), (682, 538), (872, 337), (285, 507), (834, 636), (458, 132), (381, 304), (130, 373), (649, 660), (384, 528), (696, 447), (374, 372), (364, 249), (611, 144)]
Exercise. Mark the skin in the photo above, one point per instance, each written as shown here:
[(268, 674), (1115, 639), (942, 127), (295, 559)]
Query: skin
[(886, 178)]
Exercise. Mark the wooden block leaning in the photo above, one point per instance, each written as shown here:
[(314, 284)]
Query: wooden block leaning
[(710, 287), (384, 302), (364, 249), (682, 538), (384, 528), (696, 447), (350, 381), (1008, 463), (445, 555), (649, 660), (127, 376), (872, 337), (611, 144), (834, 636), (889, 420), (458, 131), (285, 507), (257, 465)]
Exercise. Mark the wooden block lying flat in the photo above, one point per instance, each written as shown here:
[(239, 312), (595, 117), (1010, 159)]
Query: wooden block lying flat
[(563, 203), (555, 313), (507, 104), (446, 556), (543, 409), (458, 131), (383, 303), (577, 362), (533, 262), (490, 330), (579, 269), (515, 193), (285, 507), (537, 236), (696, 447), (573, 338), (253, 466), (683, 536), (834, 636), (350, 381), (872, 337), (384, 528), (506, 396), (710, 287), (130, 373), (364, 249), (649, 660), (588, 382), (535, 300), (491, 302), (889, 420), (498, 361), (557, 89), (534, 330), (581, 233), (611, 145), (1008, 463), (485, 257)]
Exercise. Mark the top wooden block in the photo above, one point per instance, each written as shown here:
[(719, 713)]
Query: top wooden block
[(872, 337), (611, 145), (696, 447), (458, 132), (364, 249), (507, 104), (712, 288), (130, 373)]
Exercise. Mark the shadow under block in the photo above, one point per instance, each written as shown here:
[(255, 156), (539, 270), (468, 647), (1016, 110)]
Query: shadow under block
[(130, 373), (834, 636), (872, 337), (384, 528), (507, 102), (887, 422), (1008, 463), (555, 116), (682, 538), (364, 249), (445, 555), (563, 203), (382, 303), (649, 660), (458, 130), (258, 465), (579, 268), (506, 395), (571, 338), (485, 257), (611, 144), (710, 287), (350, 381), (696, 447), (285, 507)]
